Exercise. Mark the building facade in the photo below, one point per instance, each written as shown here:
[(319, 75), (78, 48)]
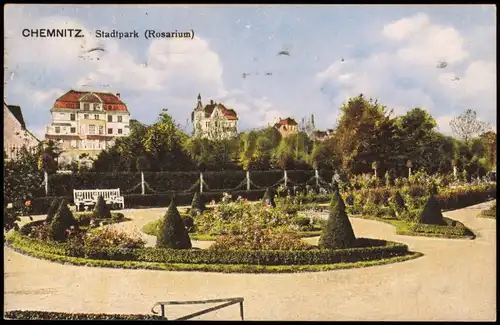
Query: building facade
[(214, 121), (15, 134), (322, 135), (85, 122), (286, 127)]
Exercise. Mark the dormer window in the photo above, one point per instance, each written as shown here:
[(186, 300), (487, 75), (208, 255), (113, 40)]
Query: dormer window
[(86, 106), (96, 107)]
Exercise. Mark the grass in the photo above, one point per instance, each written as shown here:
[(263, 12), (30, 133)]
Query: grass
[(219, 268), (408, 229), (151, 229)]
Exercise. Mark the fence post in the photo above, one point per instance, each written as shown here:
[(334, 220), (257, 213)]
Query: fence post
[(142, 183), (286, 178), (46, 180), (201, 182), (248, 180), (317, 177)]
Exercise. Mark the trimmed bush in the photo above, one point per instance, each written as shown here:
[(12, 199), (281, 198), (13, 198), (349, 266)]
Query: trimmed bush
[(52, 209), (50, 315), (173, 233), (188, 222), (431, 213), (101, 209), (197, 205), (63, 220), (338, 232), (269, 195), (399, 202)]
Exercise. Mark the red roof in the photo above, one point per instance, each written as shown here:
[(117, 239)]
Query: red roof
[(111, 101), (287, 121), (229, 114)]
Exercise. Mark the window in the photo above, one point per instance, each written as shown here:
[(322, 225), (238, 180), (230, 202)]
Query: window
[(96, 116), (58, 129), (73, 143), (110, 131), (120, 131), (86, 107), (72, 117), (120, 119), (110, 118), (73, 130), (96, 107), (101, 129), (91, 129), (86, 116)]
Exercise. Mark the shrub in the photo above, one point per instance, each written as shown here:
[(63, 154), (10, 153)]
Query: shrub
[(101, 209), (52, 209), (431, 213), (301, 221), (269, 197), (197, 205), (338, 232), (188, 222), (62, 222), (115, 217), (109, 237), (172, 232), (399, 202), (259, 238), (491, 212)]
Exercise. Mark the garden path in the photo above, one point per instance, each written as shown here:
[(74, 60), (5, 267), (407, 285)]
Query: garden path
[(454, 281)]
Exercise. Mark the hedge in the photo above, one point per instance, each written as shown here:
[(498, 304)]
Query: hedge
[(61, 184), (366, 250), (51, 315), (452, 229)]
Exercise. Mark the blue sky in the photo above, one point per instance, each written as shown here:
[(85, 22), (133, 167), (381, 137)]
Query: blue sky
[(390, 53)]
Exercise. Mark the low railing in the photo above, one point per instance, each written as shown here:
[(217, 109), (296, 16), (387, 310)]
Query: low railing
[(226, 302)]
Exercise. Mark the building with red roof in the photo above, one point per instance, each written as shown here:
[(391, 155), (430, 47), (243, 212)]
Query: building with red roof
[(86, 122), (214, 121), (287, 126)]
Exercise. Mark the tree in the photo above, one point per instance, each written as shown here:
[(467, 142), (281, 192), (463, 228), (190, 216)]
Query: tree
[(63, 221), (269, 195), (466, 126), (338, 232), (101, 209), (172, 231), (431, 213), (54, 206), (197, 205)]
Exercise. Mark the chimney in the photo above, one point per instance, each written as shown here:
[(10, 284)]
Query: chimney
[(118, 95), (211, 102)]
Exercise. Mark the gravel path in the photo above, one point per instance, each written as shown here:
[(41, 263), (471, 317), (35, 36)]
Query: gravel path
[(454, 281)]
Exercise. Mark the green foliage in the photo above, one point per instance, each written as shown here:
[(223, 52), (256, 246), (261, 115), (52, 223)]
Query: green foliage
[(197, 205), (188, 223), (173, 233), (338, 232), (490, 213), (302, 221), (52, 209), (268, 197), (63, 221), (101, 209), (51, 315), (431, 213)]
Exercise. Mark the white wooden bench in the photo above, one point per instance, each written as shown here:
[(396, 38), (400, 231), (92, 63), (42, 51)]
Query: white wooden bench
[(89, 197)]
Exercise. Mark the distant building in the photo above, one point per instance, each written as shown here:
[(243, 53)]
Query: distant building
[(214, 121), (86, 122), (286, 126), (15, 134), (322, 135)]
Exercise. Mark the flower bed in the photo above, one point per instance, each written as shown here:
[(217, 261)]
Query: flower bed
[(365, 250)]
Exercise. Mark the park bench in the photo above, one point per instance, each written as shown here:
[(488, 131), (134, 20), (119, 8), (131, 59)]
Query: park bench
[(89, 198)]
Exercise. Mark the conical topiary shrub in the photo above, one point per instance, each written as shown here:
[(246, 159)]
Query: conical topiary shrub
[(172, 231), (197, 205), (399, 202), (52, 210), (269, 195), (101, 209), (432, 212), (337, 232), (62, 221)]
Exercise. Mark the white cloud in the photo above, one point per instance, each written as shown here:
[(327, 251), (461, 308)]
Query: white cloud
[(47, 96), (406, 27), (443, 123)]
